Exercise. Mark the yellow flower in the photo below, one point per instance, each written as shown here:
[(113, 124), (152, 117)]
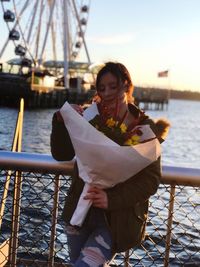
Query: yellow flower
[(110, 122), (135, 138), (128, 142), (135, 143), (123, 128)]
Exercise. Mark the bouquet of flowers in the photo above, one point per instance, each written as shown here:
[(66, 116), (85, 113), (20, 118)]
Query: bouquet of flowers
[(100, 146), (117, 131)]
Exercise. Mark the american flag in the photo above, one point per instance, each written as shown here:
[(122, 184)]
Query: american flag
[(163, 74)]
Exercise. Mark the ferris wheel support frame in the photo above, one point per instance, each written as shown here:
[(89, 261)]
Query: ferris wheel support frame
[(32, 22), (47, 32), (53, 36), (21, 12), (20, 29), (81, 31), (65, 48), (39, 29)]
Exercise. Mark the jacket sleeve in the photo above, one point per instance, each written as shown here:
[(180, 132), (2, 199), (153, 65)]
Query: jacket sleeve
[(136, 189), (61, 145)]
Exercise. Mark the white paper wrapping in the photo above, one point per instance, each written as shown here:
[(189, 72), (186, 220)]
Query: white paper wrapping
[(102, 162)]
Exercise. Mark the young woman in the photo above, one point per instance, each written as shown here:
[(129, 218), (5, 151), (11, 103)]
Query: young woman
[(116, 221)]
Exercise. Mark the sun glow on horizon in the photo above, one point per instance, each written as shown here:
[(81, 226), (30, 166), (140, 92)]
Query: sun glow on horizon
[(146, 36)]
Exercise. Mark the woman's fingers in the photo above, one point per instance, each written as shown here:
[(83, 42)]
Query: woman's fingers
[(78, 108), (94, 190), (98, 197), (91, 196)]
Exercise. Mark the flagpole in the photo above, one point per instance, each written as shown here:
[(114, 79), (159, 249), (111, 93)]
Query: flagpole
[(166, 74), (169, 85)]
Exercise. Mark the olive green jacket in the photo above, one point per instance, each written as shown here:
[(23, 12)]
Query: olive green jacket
[(127, 202)]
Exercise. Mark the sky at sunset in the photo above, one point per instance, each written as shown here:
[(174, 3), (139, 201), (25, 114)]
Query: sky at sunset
[(148, 36)]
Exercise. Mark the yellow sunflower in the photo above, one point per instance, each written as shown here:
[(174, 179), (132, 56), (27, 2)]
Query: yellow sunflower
[(123, 128)]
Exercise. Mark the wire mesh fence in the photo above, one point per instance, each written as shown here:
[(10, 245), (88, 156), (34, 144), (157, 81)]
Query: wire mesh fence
[(37, 221)]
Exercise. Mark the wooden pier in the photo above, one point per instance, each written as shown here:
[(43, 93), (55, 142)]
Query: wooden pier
[(151, 98), (14, 87)]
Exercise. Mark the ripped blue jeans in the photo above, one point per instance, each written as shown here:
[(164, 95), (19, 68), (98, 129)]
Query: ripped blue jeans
[(90, 245)]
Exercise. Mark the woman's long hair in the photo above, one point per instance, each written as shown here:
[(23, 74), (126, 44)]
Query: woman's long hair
[(122, 75)]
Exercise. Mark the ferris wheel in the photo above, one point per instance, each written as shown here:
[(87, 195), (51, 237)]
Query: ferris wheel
[(46, 30)]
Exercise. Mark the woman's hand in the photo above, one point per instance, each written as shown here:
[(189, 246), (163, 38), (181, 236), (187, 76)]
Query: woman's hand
[(59, 116), (98, 197), (78, 108)]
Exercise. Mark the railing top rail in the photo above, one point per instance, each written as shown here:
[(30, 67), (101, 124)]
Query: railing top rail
[(24, 161), (34, 162), (181, 175)]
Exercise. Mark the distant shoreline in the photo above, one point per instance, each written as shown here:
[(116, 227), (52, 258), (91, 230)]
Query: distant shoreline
[(184, 95), (172, 94)]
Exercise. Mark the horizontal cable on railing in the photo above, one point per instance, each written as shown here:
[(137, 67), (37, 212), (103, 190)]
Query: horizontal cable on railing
[(45, 163)]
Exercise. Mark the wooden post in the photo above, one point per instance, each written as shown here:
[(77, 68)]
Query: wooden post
[(54, 220)]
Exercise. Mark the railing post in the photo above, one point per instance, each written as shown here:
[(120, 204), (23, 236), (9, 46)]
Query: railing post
[(169, 225), (14, 149), (15, 219), (126, 260), (17, 144), (54, 220)]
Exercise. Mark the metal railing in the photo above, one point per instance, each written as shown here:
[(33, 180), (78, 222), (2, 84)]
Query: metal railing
[(172, 209), (16, 147)]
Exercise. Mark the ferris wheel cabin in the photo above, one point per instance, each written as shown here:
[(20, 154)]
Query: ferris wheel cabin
[(9, 16)]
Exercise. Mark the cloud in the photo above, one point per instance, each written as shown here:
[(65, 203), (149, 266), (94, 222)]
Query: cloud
[(113, 39)]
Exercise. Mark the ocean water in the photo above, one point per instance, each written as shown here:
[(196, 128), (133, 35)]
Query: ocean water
[(181, 147)]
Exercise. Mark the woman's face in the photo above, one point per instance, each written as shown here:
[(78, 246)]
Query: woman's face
[(109, 90)]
